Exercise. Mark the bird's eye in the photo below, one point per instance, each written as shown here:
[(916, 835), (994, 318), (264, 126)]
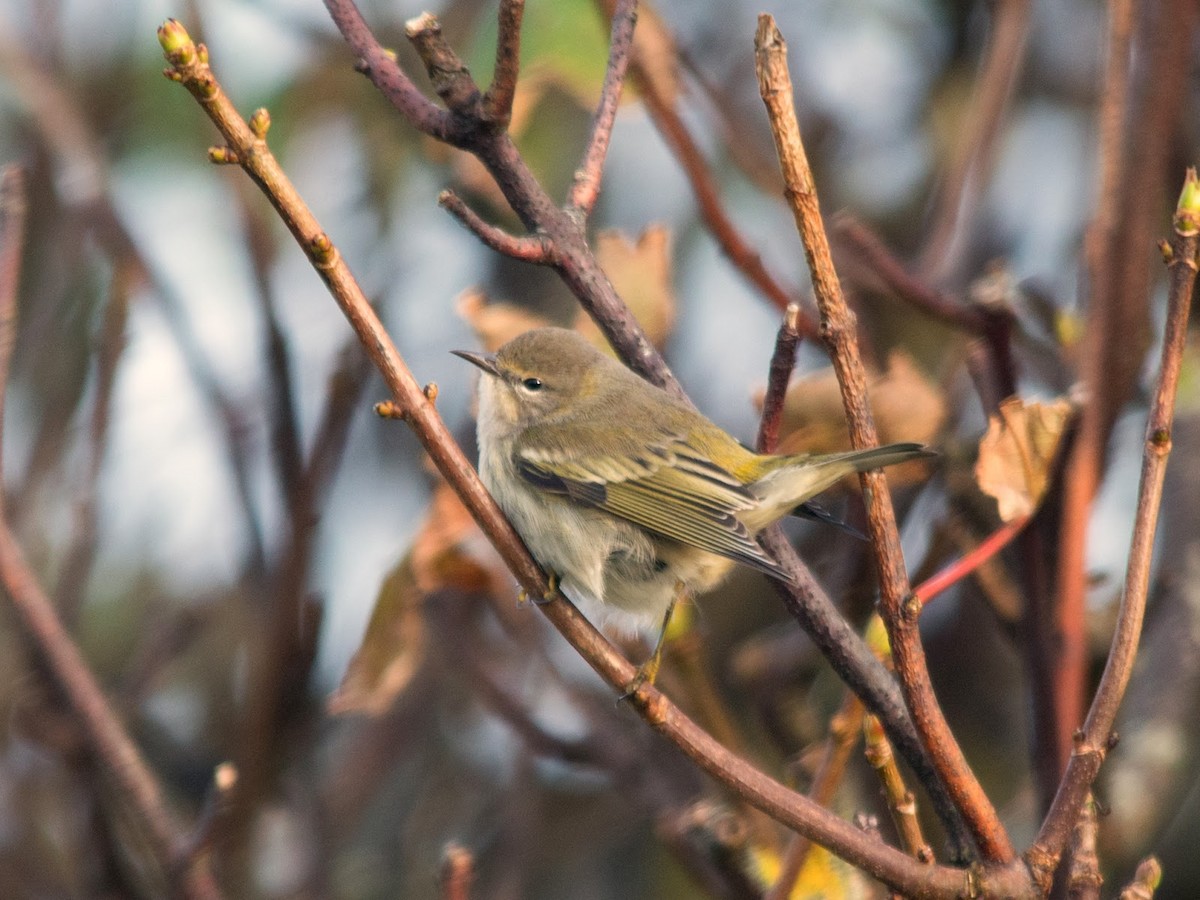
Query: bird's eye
[(532, 384)]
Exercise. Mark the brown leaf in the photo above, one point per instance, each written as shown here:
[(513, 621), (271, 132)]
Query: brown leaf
[(444, 555), (641, 273), (905, 403), (1017, 452), (495, 321)]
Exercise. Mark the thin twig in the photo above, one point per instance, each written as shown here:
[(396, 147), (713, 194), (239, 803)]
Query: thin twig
[(533, 248), (586, 187), (837, 325), (961, 568), (844, 730), (666, 118), (900, 801), (81, 552), (13, 210), (188, 65), (896, 278), (783, 361), (1092, 741), (1118, 303), (498, 98), (563, 228), (1145, 881), (458, 872)]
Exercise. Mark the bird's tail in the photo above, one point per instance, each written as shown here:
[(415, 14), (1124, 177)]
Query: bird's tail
[(795, 479)]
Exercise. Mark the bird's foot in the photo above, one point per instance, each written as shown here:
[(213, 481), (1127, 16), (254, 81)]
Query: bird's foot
[(523, 598)]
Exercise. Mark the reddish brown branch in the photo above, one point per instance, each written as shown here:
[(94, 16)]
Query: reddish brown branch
[(498, 98), (960, 569), (586, 187), (897, 279), (13, 211), (783, 361), (1133, 164), (900, 609), (532, 248), (1092, 741), (458, 872), (740, 252)]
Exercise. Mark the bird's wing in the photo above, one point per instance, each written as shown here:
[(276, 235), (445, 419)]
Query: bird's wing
[(667, 489)]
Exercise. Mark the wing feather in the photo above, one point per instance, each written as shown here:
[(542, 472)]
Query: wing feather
[(667, 489)]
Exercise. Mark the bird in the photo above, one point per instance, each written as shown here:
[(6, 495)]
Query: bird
[(628, 496)]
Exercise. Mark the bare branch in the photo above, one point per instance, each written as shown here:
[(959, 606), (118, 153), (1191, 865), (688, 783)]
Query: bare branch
[(498, 99), (114, 749), (586, 187), (385, 73), (447, 72), (13, 210), (535, 249), (458, 872), (838, 328), (783, 361), (1092, 741), (959, 194)]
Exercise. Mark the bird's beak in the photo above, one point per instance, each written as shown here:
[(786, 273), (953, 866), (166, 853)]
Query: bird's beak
[(485, 361)]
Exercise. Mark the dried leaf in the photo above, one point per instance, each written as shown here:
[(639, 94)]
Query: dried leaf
[(1017, 452), (641, 273), (906, 405), (444, 555), (496, 322)]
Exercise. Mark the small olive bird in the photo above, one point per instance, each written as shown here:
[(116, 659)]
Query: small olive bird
[(627, 495)]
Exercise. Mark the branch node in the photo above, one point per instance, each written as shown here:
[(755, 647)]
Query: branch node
[(223, 156), (390, 409), (260, 123), (532, 248), (431, 392), (323, 252)]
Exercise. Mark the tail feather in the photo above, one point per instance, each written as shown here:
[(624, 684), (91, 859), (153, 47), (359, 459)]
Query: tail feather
[(878, 457), (796, 479)]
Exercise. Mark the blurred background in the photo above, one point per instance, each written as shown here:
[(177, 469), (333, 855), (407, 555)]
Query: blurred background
[(194, 469)]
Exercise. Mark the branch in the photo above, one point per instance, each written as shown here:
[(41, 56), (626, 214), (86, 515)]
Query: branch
[(13, 211), (562, 229), (458, 872), (115, 751), (189, 67), (498, 99), (532, 248), (586, 188), (380, 65), (959, 193), (837, 326), (1092, 741), (783, 361), (661, 107), (1117, 287)]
